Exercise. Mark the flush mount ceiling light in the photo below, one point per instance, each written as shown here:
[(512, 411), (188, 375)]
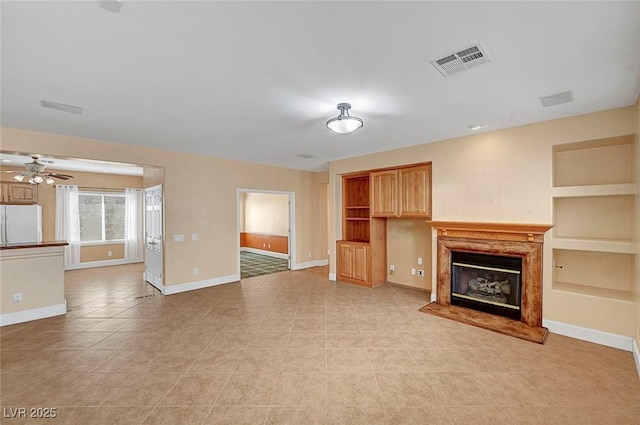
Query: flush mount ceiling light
[(474, 126), (344, 123)]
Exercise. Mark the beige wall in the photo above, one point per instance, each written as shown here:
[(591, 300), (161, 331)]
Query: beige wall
[(637, 263), (501, 176), (266, 213), (200, 195)]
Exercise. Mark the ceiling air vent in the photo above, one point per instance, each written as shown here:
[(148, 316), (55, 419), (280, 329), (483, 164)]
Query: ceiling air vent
[(305, 156), (557, 99), (462, 59)]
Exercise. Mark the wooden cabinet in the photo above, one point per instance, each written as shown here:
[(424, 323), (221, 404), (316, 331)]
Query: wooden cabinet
[(18, 193), (384, 193), (354, 262), (361, 255), (403, 192), (415, 191)]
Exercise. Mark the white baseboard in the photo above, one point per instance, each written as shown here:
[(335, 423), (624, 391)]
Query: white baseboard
[(333, 277), (103, 263), (267, 253), (309, 264), (636, 355), (190, 286), (434, 297), (33, 314), (591, 335)]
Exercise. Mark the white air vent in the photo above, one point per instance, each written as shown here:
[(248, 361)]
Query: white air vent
[(305, 156), (557, 99), (462, 59), (63, 107)]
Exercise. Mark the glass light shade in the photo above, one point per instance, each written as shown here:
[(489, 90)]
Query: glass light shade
[(32, 181), (18, 177), (49, 180), (38, 179), (344, 124)]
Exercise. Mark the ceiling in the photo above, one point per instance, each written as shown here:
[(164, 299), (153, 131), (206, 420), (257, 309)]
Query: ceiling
[(256, 81), (70, 164)]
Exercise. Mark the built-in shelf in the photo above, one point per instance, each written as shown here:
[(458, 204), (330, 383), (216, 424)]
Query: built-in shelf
[(601, 245), (357, 219), (614, 294), (595, 190), (359, 207)]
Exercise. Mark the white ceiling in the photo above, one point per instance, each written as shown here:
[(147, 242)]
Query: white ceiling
[(256, 81), (70, 164)]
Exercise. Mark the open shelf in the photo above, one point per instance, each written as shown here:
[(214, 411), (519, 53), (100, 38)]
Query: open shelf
[(595, 190), (595, 217), (599, 245), (614, 294)]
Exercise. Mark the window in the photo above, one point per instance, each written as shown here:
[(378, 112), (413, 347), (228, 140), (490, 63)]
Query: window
[(101, 216)]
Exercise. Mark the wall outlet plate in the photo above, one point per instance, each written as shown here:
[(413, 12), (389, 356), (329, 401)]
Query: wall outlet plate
[(17, 298), (413, 271), (421, 273)]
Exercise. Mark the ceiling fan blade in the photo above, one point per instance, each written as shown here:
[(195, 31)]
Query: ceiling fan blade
[(9, 172), (60, 176)]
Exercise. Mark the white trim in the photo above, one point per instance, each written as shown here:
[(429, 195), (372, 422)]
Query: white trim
[(268, 253), (636, 355), (308, 264), (333, 277), (621, 342), (434, 297), (33, 314), (190, 286), (103, 263)]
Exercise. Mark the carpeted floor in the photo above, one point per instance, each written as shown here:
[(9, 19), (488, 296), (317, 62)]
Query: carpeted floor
[(252, 265)]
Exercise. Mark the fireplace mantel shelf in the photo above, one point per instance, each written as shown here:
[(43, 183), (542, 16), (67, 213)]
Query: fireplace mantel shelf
[(493, 231)]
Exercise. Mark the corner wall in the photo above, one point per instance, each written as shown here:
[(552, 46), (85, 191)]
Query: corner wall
[(504, 176)]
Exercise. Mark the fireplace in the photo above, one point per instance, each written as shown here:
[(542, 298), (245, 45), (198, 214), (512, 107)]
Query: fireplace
[(488, 283), (490, 275)]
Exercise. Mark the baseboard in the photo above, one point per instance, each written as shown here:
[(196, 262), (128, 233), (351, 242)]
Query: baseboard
[(404, 285), (333, 277), (309, 264), (267, 253), (102, 263), (591, 335), (200, 284), (434, 297), (636, 355), (33, 314)]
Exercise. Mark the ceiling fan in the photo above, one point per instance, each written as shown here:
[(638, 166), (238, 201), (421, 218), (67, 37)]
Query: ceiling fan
[(36, 174)]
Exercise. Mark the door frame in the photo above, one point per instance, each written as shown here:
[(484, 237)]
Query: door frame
[(292, 222)]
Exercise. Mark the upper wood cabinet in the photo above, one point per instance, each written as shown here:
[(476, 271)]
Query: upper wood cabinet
[(384, 193), (415, 191), (18, 193), (403, 192)]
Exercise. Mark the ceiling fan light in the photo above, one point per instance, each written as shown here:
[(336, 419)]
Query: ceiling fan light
[(344, 123), (50, 180), (32, 181), (38, 179), (18, 177)]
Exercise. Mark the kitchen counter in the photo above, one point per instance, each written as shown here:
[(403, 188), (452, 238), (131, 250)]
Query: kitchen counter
[(24, 245), (32, 281)]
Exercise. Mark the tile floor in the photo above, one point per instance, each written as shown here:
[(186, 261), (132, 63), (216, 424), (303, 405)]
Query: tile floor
[(294, 348)]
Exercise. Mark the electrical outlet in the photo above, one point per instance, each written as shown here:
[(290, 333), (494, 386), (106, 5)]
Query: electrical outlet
[(392, 268), (109, 253), (413, 271), (196, 271), (309, 255), (17, 298), (194, 236), (419, 261), (421, 273), (178, 238)]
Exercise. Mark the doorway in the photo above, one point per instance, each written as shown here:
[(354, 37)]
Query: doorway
[(266, 242)]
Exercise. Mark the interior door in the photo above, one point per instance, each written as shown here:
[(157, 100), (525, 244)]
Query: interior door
[(153, 237)]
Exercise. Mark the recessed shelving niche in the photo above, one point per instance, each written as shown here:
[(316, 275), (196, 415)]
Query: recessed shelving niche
[(594, 205)]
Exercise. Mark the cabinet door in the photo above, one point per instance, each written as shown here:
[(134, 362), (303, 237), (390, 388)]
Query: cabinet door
[(384, 193), (415, 191), (360, 255), (345, 265), (19, 193)]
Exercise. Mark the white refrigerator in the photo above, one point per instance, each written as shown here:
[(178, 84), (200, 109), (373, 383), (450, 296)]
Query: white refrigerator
[(20, 223)]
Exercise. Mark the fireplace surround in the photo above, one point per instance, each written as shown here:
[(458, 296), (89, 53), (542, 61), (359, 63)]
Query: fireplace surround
[(522, 242)]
